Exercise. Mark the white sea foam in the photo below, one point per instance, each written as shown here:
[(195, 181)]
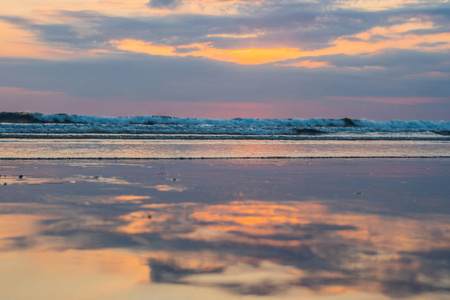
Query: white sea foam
[(54, 125)]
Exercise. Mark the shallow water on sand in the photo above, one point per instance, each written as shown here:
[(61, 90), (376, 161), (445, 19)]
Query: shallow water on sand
[(225, 229), (173, 149)]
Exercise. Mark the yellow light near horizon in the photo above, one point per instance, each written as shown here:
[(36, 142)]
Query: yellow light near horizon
[(253, 56), (241, 56)]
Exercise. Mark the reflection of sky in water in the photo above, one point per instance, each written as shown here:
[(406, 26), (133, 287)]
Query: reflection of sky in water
[(66, 148), (268, 229)]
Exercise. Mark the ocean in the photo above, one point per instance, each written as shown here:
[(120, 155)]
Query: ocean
[(62, 136)]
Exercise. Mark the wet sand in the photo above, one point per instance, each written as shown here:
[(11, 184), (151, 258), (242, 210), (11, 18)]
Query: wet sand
[(225, 229)]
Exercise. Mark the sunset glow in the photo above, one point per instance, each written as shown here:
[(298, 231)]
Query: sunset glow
[(166, 55)]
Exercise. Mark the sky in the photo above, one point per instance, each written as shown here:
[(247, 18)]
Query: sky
[(374, 59)]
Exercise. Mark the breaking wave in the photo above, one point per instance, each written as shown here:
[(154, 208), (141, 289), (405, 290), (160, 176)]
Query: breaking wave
[(25, 123)]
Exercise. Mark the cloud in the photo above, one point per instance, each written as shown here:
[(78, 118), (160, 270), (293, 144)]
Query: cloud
[(227, 52), (432, 45), (170, 4), (139, 77), (270, 33), (413, 61)]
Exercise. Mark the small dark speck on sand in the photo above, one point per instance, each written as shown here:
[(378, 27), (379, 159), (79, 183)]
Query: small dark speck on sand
[(149, 216), (20, 176), (5, 183)]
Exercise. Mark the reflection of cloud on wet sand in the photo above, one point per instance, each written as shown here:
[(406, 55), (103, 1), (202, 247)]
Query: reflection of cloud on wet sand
[(16, 229), (332, 253), (36, 180), (131, 198), (286, 222), (168, 188), (70, 274), (247, 247), (261, 279), (158, 218)]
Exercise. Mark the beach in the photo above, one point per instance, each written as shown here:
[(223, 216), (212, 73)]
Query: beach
[(225, 150), (354, 228)]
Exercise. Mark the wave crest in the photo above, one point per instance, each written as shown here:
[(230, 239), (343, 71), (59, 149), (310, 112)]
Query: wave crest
[(29, 117)]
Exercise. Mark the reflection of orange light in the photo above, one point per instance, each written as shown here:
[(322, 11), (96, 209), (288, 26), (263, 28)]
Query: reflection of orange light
[(132, 198), (16, 225), (140, 222), (70, 274), (169, 188), (257, 223), (109, 260), (240, 222), (258, 220), (254, 213)]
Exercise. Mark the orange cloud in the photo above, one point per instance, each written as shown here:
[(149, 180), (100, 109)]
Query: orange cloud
[(251, 56), (375, 5), (394, 37), (15, 42)]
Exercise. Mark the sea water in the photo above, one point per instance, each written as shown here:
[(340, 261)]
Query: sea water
[(38, 136)]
